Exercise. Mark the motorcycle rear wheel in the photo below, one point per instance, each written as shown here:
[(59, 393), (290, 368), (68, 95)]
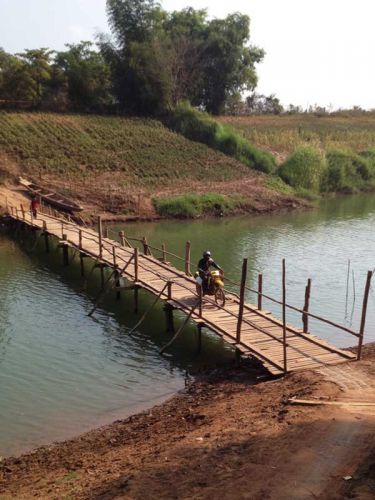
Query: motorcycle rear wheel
[(220, 297)]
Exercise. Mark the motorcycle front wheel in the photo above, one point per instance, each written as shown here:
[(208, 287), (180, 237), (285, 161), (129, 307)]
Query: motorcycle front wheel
[(220, 297)]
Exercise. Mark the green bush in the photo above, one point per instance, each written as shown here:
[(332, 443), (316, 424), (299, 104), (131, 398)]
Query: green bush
[(348, 172), (277, 184), (303, 169), (194, 205), (201, 127)]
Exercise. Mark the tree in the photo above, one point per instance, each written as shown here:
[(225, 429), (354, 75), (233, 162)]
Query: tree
[(38, 65), (87, 75), (16, 83), (229, 63)]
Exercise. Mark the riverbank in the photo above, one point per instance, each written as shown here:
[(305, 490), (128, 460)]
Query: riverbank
[(228, 433), (129, 168)]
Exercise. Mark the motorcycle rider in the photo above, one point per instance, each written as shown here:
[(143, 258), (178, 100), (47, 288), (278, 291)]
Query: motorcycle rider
[(204, 269)]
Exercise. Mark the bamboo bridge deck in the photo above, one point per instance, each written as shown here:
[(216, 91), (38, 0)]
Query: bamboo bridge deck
[(254, 332)]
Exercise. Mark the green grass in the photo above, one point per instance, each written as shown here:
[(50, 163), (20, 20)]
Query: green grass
[(194, 205), (143, 151), (201, 127), (303, 169)]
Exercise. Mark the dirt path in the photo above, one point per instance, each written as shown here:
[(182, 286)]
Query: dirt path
[(225, 437)]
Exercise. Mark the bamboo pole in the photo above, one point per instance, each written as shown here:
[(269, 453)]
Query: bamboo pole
[(364, 311), (23, 212), (80, 239), (163, 249), (284, 319), (200, 300), (260, 290), (305, 317), (242, 299), (136, 254), (146, 249), (187, 258), (180, 329), (169, 290), (100, 231), (122, 238)]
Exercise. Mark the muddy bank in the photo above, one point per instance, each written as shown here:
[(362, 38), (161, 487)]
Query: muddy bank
[(228, 434)]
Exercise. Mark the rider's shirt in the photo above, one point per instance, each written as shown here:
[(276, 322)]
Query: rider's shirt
[(205, 264)]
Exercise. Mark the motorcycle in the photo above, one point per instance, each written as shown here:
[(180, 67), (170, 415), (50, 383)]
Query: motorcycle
[(215, 286)]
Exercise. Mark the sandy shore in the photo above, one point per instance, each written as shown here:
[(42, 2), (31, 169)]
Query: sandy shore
[(229, 434)]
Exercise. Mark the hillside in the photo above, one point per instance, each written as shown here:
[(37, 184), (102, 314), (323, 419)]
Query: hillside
[(121, 165), (282, 134)]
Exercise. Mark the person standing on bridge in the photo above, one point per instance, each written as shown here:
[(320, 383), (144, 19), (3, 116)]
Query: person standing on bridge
[(34, 206), (204, 269)]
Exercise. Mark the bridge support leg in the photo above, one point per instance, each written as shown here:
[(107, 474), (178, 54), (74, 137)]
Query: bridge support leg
[(199, 329), (169, 320), (117, 284), (136, 290), (65, 250), (46, 242), (102, 276), (82, 264), (238, 357)]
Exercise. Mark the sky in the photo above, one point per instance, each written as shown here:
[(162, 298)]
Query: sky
[(317, 51)]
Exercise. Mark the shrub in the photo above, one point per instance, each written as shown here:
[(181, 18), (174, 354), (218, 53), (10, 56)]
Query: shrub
[(347, 172), (303, 168), (277, 184), (201, 127), (194, 205)]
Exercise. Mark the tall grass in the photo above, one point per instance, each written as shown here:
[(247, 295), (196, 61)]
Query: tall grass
[(195, 206), (303, 168), (201, 127), (348, 172)]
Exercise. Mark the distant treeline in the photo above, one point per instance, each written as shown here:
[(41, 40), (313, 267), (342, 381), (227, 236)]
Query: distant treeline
[(152, 60)]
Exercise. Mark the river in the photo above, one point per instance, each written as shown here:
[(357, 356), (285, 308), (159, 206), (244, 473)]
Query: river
[(62, 372)]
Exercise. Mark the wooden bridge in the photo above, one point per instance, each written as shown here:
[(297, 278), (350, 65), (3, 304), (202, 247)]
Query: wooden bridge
[(253, 331)]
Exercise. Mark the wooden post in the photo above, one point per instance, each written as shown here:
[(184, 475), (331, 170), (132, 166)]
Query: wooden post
[(305, 317), (169, 290), (169, 320), (122, 238), (242, 299), (164, 253), (284, 319), (136, 290), (187, 258), (23, 212), (65, 250), (136, 252), (82, 264), (364, 311), (62, 228), (116, 273), (200, 300), (199, 328), (46, 238), (100, 231), (146, 250), (80, 239), (260, 290)]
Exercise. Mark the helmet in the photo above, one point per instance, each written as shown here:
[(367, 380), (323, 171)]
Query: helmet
[(207, 253)]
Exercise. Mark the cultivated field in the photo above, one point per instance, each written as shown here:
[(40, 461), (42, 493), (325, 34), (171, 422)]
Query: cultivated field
[(121, 165), (282, 134)]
